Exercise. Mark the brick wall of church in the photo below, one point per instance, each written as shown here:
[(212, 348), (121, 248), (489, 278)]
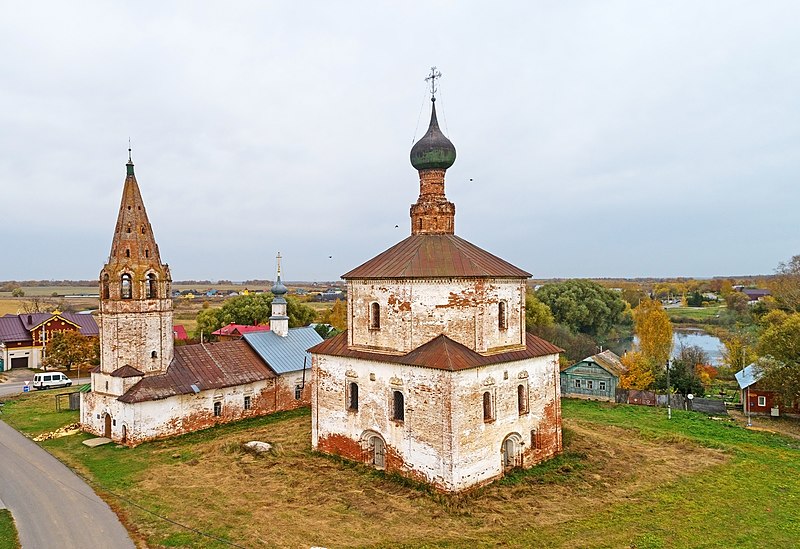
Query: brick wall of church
[(443, 438), (130, 331), (415, 311)]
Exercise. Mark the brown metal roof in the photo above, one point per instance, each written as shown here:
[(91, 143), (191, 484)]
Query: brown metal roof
[(441, 353), (435, 256), (126, 371), (207, 366)]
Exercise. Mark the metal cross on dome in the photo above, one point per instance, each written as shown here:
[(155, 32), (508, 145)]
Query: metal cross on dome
[(431, 80), (278, 257)]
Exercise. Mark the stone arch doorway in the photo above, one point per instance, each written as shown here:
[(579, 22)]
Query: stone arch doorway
[(124, 433), (511, 451), (374, 448), (107, 425)]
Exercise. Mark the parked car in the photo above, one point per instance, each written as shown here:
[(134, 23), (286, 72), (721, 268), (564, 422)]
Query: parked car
[(51, 380)]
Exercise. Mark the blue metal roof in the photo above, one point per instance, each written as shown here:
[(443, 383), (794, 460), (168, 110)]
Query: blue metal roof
[(748, 375), (285, 354)]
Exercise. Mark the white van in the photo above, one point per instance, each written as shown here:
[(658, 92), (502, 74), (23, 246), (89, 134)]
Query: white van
[(48, 381)]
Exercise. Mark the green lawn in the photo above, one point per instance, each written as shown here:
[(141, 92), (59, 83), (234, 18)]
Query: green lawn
[(8, 533), (629, 477), (694, 314)]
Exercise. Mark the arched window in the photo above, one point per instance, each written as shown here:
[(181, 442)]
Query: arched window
[(352, 396), (152, 287), (398, 406), (106, 290), (502, 315), (147, 253), (522, 399), (153, 354), (374, 316), (142, 229), (126, 288), (128, 228), (127, 253), (488, 411)]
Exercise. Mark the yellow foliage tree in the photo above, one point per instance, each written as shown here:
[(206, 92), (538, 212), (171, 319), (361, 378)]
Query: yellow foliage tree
[(654, 329), (338, 315), (640, 374)]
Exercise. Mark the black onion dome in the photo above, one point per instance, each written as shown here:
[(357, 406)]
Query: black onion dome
[(434, 150)]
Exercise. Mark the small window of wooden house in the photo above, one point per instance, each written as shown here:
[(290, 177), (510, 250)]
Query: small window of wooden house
[(502, 316), (126, 288), (577, 383), (602, 385), (106, 290), (217, 408), (152, 286), (762, 401), (522, 399), (398, 406), (374, 316), (590, 384), (488, 409), (352, 396)]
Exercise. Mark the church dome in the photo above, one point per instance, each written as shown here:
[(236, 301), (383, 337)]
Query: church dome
[(278, 288), (434, 150)]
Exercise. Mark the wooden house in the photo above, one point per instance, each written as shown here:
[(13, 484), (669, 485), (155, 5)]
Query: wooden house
[(595, 377)]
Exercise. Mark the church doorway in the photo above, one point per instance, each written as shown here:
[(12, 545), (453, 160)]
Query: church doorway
[(124, 433), (107, 426), (511, 451), (378, 452)]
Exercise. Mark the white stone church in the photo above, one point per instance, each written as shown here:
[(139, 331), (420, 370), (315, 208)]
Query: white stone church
[(436, 377)]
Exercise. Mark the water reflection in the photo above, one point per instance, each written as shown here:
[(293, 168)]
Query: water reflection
[(687, 337)]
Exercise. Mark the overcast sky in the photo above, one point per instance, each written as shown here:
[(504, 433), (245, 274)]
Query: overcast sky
[(594, 139)]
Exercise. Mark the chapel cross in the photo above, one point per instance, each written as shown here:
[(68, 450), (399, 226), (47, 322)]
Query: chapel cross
[(431, 80), (279, 264)]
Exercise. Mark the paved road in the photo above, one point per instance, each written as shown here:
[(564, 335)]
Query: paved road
[(52, 507), (10, 388)]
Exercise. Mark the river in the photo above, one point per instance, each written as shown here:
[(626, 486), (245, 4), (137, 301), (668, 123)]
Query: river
[(686, 337)]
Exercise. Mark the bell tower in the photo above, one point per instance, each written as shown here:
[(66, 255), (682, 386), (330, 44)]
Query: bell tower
[(135, 292)]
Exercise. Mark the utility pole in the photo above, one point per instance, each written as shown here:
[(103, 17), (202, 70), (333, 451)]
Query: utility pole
[(669, 400)]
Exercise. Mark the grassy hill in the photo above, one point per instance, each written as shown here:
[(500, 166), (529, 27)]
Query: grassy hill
[(628, 478)]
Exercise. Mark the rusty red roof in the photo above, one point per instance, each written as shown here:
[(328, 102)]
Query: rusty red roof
[(126, 371), (435, 256), (441, 353), (179, 332), (206, 366), (240, 329)]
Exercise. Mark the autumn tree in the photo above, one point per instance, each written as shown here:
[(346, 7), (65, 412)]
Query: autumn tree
[(737, 352), (17, 292), (640, 374), (780, 344), (582, 305), (654, 330), (684, 377), (785, 286), (336, 316), (70, 348), (537, 314)]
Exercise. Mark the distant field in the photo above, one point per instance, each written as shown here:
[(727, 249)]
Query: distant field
[(698, 314), (60, 290), (13, 305)]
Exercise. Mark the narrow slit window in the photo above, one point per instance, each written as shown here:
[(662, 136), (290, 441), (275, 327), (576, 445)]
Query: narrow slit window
[(352, 396), (522, 399), (398, 406), (127, 253), (298, 392), (502, 315), (375, 316), (488, 411), (217, 409), (106, 290)]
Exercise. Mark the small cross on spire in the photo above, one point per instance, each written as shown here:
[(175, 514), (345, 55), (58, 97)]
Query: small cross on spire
[(129, 151), (431, 80), (279, 265)]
